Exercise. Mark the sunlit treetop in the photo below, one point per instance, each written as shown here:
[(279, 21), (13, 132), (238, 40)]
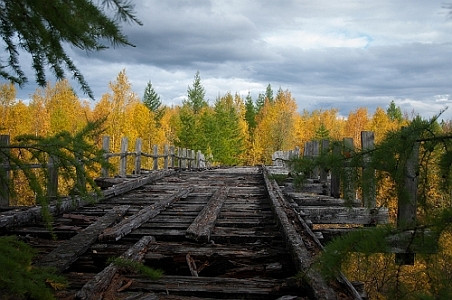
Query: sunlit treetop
[(43, 27)]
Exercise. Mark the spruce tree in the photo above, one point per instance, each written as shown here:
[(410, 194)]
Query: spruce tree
[(394, 112), (44, 28), (196, 94), (151, 99), (250, 113)]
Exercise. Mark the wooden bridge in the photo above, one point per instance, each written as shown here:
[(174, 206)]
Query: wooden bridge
[(224, 233)]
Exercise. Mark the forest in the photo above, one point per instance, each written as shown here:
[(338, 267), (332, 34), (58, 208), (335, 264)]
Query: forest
[(235, 130)]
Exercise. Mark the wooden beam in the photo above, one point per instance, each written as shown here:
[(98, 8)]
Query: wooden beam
[(68, 251), (301, 255), (127, 225), (95, 287), (346, 215), (202, 226)]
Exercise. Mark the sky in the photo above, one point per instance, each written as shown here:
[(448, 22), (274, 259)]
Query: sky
[(329, 54)]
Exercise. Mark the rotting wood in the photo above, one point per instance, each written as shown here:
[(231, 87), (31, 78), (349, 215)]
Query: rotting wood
[(201, 228), (346, 215), (68, 251), (136, 220), (19, 217), (95, 287), (302, 258), (306, 199)]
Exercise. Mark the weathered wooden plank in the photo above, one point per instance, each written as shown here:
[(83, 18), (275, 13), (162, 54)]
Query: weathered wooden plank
[(215, 286), (136, 220), (19, 217), (302, 258), (346, 215), (319, 200), (95, 287), (62, 257), (202, 226)]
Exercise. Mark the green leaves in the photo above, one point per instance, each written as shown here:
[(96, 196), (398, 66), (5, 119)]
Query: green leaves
[(42, 28)]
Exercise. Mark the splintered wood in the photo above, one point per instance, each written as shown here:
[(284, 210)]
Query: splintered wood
[(215, 234)]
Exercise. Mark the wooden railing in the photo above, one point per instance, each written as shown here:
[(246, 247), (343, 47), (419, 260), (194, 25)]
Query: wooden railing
[(343, 179), (172, 158)]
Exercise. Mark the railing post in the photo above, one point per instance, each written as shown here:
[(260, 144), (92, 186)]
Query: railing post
[(198, 159), (407, 201), (138, 143), (348, 182), (4, 172), (165, 157), (183, 158), (106, 149), (368, 184), (173, 157), (323, 171), (336, 174), (156, 157), (123, 157), (52, 183)]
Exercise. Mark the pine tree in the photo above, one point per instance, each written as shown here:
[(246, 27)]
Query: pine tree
[(42, 28), (269, 93), (151, 99), (394, 112), (250, 113), (196, 94)]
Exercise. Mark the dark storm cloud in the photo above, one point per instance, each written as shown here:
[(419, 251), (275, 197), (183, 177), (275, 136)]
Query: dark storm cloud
[(329, 54)]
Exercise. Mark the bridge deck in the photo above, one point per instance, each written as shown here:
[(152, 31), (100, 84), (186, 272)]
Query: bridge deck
[(216, 234)]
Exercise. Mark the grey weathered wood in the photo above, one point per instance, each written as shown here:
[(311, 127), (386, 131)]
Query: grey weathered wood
[(127, 225), (348, 181), (368, 184), (335, 175), (407, 200), (301, 256), (346, 215), (68, 251), (106, 149), (165, 157), (156, 157), (173, 157), (96, 287), (4, 173), (123, 157), (202, 227), (138, 144), (32, 215), (52, 183), (323, 150)]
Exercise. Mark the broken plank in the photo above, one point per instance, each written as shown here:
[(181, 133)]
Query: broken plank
[(127, 225), (95, 287), (202, 226), (68, 251)]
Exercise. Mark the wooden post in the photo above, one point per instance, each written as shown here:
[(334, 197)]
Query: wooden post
[(183, 158), (407, 198), (179, 157), (336, 175), (323, 171), (315, 155), (165, 157), (192, 159), (4, 172), (173, 158), (138, 143), (368, 184), (198, 159), (106, 149), (348, 182), (123, 157), (52, 183), (156, 157), (80, 173)]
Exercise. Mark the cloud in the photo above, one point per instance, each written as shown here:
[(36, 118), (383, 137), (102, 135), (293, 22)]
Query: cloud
[(343, 55)]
